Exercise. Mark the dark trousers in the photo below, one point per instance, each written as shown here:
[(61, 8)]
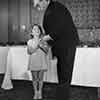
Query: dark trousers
[(64, 69), (1, 79)]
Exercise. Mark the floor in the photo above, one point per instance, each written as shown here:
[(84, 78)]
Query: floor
[(23, 91)]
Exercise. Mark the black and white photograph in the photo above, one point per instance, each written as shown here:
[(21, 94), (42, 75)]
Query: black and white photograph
[(49, 49)]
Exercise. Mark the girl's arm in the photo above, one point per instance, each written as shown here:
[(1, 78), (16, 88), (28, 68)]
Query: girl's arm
[(31, 49)]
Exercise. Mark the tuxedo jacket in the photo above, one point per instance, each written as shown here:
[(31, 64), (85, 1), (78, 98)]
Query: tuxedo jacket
[(58, 23)]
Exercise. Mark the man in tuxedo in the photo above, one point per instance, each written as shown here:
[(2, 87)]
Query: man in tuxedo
[(62, 36)]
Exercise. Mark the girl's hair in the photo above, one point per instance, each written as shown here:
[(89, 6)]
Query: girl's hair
[(40, 28)]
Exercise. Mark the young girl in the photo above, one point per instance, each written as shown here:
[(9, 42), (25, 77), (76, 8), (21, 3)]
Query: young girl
[(38, 61)]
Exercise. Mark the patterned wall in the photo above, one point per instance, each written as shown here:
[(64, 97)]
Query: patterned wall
[(85, 13)]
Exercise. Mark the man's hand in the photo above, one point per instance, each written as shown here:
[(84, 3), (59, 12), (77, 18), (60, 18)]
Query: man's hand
[(46, 38)]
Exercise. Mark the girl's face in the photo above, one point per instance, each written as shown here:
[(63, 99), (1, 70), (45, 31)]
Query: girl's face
[(36, 31)]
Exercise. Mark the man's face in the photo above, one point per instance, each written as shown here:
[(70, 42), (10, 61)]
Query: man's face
[(40, 4)]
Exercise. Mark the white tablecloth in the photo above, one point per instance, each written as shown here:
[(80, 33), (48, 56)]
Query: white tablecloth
[(17, 67), (86, 70), (3, 58), (87, 67)]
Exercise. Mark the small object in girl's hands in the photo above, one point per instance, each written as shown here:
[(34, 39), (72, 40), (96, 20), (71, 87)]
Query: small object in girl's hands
[(44, 46)]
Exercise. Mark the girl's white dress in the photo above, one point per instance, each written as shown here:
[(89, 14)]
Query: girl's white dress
[(38, 60)]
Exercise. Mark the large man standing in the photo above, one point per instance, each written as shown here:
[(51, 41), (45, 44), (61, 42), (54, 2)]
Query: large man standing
[(61, 35)]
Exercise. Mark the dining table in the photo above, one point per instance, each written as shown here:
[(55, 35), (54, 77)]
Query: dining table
[(86, 69)]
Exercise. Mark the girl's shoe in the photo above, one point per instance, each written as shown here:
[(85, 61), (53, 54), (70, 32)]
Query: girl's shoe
[(35, 96), (39, 95)]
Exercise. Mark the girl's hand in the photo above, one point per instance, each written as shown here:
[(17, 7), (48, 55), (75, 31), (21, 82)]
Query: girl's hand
[(44, 46)]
